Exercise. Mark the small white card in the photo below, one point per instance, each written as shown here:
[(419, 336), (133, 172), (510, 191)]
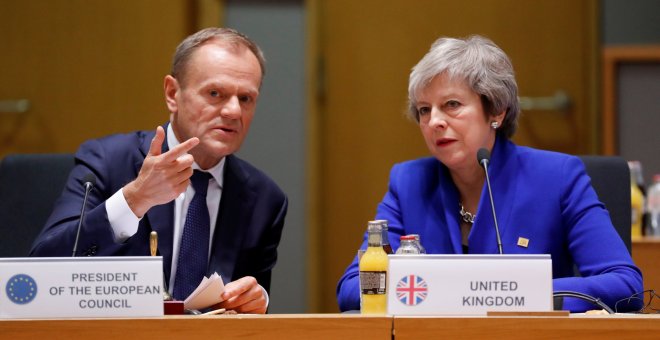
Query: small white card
[(84, 287), (206, 294), (468, 284)]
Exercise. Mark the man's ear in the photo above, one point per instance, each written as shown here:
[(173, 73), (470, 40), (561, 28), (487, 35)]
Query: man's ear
[(171, 88)]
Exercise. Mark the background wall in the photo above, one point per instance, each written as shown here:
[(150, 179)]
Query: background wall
[(276, 143), (627, 23), (630, 22), (638, 115), (88, 68)]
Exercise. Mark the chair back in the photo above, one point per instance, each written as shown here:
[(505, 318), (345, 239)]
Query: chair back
[(29, 186), (610, 177)]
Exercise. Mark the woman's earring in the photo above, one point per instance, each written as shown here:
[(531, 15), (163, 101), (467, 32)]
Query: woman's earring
[(494, 125)]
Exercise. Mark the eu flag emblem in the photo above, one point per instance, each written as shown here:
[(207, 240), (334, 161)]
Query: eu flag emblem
[(411, 290), (21, 289)]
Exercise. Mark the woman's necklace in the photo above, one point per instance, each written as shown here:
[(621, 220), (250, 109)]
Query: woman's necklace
[(467, 216)]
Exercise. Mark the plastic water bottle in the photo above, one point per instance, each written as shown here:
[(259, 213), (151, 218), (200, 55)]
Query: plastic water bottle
[(407, 245), (653, 207), (418, 244)]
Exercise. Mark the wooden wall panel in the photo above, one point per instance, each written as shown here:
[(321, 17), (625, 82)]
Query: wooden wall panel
[(88, 67)]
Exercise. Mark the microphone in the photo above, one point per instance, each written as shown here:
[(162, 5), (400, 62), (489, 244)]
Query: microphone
[(483, 157), (88, 181)]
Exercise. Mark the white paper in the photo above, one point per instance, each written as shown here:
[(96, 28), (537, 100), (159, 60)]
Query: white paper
[(206, 294)]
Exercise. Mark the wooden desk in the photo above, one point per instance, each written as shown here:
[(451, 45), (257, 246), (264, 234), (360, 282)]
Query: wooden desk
[(495, 327), (337, 326), (271, 327), (646, 254)]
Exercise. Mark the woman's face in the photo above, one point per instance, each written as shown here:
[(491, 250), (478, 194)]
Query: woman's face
[(453, 122)]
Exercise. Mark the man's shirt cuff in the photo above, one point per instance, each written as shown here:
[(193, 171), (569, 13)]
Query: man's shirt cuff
[(123, 221), (265, 295)]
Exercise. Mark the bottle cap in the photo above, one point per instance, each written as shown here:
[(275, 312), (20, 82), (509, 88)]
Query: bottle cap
[(407, 237), (383, 223), (374, 226)]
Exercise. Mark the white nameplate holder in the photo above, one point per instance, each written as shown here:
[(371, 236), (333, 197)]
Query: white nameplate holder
[(81, 287), (468, 284)]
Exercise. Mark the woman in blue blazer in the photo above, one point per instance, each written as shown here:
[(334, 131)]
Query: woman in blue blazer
[(464, 96)]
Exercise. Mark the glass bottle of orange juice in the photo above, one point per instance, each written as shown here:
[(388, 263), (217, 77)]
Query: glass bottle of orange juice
[(373, 273), (636, 200)]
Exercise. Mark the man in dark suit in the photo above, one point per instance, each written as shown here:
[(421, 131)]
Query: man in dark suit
[(143, 181)]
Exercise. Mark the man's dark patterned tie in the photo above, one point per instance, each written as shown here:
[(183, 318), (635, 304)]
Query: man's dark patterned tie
[(194, 249)]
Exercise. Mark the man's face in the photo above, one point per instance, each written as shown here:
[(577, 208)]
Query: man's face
[(214, 100)]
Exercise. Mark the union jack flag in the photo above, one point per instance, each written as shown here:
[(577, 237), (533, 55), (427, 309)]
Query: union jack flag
[(411, 290)]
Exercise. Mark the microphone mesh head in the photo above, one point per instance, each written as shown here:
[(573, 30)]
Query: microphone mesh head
[(89, 178), (483, 155)]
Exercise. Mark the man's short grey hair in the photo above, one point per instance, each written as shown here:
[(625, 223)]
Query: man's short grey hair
[(223, 35), (485, 68)]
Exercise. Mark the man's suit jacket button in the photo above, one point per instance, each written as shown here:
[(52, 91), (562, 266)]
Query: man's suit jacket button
[(91, 251)]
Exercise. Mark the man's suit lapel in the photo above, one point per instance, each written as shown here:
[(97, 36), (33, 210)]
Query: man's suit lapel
[(233, 221), (161, 217)]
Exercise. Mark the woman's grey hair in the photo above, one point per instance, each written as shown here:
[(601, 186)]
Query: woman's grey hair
[(223, 35), (485, 68)]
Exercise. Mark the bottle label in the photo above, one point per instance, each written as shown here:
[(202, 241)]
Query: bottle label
[(372, 283)]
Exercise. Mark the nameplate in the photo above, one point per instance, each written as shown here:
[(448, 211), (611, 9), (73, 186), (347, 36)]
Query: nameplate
[(81, 287), (468, 284)]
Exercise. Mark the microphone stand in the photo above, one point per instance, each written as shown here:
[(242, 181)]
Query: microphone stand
[(88, 187), (483, 157)]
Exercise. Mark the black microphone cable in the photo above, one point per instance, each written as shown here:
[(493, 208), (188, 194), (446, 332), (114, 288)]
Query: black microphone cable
[(585, 297)]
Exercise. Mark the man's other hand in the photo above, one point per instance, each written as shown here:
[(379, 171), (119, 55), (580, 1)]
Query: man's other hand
[(244, 295), (163, 176)]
